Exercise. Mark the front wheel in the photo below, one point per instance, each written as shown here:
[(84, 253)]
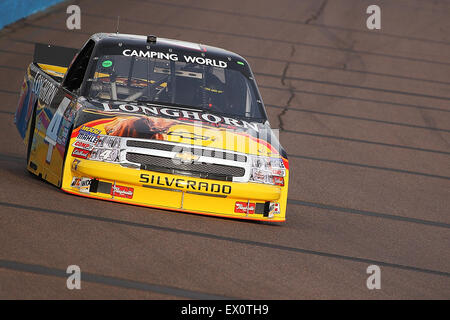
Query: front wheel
[(65, 155), (31, 134)]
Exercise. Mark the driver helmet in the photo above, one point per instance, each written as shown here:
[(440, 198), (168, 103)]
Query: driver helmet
[(213, 92)]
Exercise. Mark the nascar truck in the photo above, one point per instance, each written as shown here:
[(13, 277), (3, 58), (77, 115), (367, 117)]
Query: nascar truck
[(153, 122)]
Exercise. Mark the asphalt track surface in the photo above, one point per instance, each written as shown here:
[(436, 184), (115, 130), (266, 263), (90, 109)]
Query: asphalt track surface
[(364, 116)]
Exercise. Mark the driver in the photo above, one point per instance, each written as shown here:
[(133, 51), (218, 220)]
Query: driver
[(212, 94)]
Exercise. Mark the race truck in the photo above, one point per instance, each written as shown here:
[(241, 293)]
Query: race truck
[(153, 122)]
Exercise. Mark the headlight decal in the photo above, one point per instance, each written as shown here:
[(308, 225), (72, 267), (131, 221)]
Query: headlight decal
[(267, 170)]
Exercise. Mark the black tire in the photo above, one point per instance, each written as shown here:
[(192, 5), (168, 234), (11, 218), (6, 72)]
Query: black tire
[(30, 138), (65, 155)]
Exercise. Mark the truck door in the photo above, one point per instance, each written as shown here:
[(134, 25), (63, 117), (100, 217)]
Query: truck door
[(56, 117)]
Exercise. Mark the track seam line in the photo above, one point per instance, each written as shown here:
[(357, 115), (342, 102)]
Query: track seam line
[(361, 165), (313, 65), (283, 77), (110, 281), (285, 109), (358, 99), (8, 91), (282, 20), (334, 96), (428, 175), (368, 213), (402, 124), (236, 35), (7, 112), (331, 83), (230, 239), (323, 206), (366, 142)]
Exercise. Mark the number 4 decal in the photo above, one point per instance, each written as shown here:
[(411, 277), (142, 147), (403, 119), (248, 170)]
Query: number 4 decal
[(51, 135)]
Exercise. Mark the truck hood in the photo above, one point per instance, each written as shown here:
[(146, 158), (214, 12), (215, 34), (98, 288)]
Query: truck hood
[(180, 125)]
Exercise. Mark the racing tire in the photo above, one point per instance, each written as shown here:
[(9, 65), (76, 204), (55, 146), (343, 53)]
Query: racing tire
[(31, 135), (65, 155)]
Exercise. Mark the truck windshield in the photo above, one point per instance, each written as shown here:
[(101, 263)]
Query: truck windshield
[(151, 80)]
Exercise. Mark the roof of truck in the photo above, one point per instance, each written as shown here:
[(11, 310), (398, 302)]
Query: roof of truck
[(165, 44)]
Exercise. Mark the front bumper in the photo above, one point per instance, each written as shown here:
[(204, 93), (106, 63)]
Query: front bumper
[(110, 181)]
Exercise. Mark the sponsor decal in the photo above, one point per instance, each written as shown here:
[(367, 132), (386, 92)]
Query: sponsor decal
[(274, 208), (53, 133), (278, 172), (89, 134), (107, 63), (205, 61), (279, 181), (276, 163), (80, 153), (245, 207), (44, 89), (82, 184), (174, 57), (122, 191), (83, 145), (189, 185), (108, 142), (75, 164), (91, 130), (179, 114), (105, 155)]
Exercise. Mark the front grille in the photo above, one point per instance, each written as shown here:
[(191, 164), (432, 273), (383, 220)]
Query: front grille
[(178, 148), (198, 169)]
